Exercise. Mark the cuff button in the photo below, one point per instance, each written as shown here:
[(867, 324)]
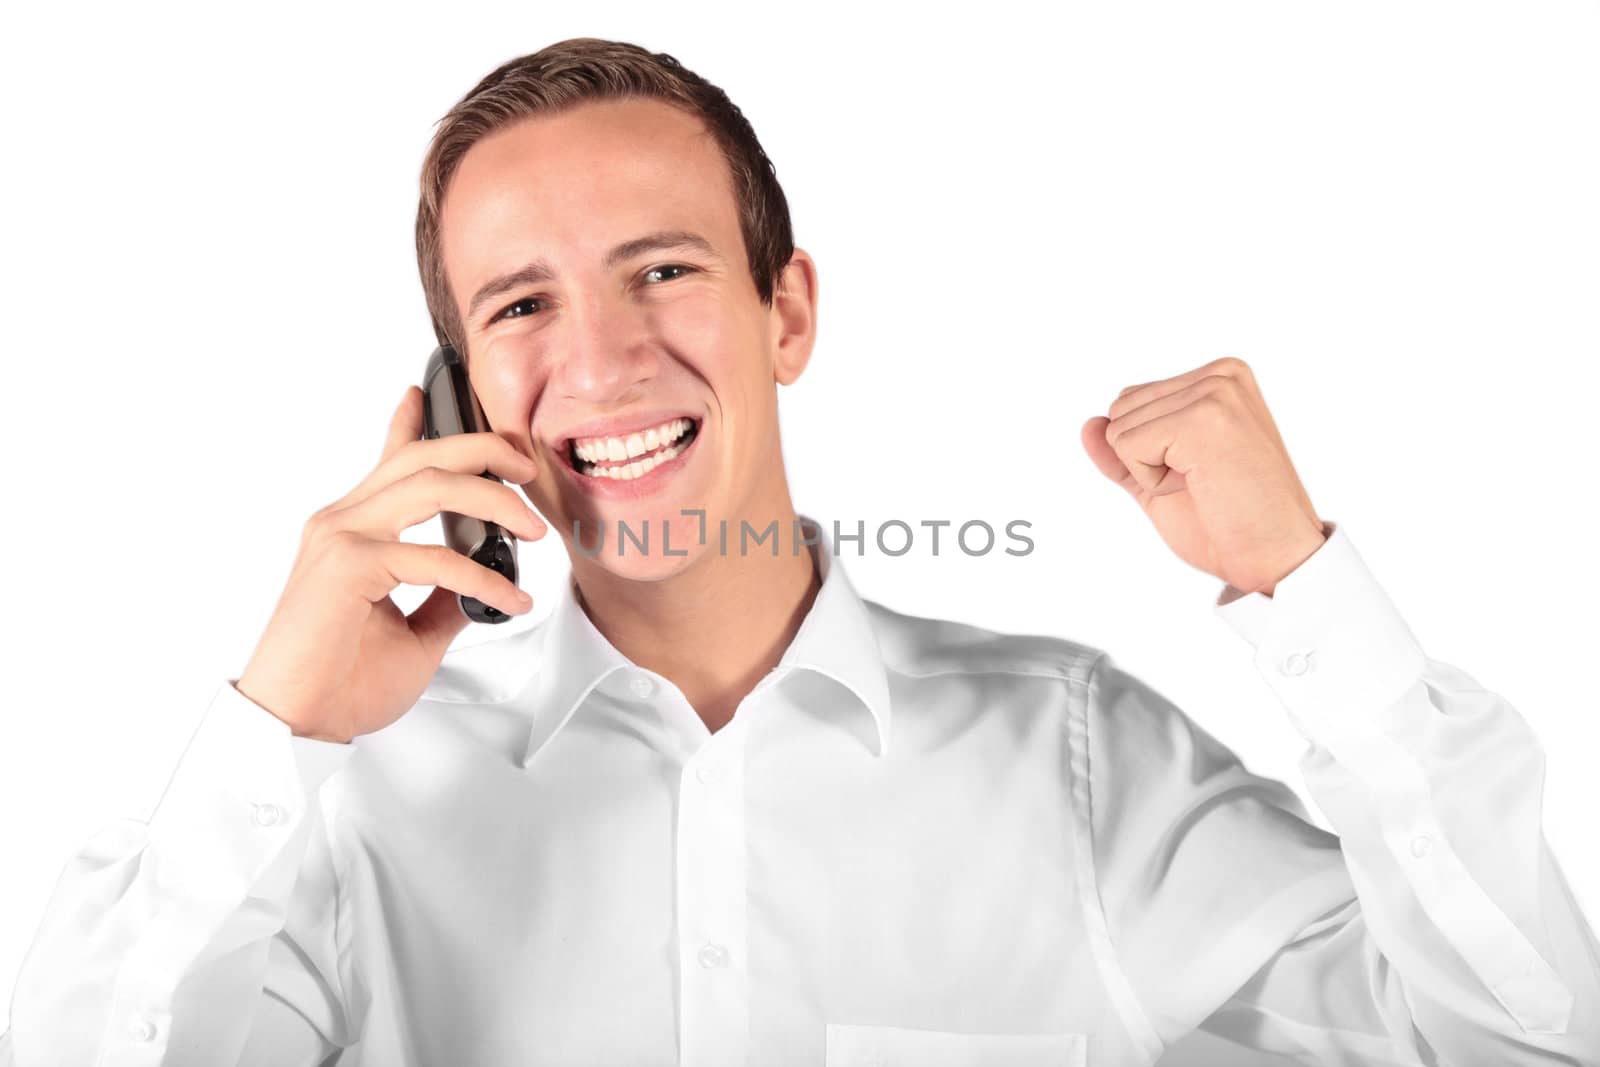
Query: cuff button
[(1297, 663), (268, 815)]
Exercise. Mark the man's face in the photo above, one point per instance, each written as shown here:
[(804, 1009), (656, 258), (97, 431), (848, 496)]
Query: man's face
[(609, 342)]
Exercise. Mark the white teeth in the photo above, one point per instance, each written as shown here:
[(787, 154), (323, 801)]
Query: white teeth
[(638, 468), (616, 450)]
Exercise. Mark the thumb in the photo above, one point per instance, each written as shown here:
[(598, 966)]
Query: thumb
[(405, 425), (1104, 456), (437, 621)]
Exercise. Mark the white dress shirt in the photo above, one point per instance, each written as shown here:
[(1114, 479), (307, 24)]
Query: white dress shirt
[(916, 842)]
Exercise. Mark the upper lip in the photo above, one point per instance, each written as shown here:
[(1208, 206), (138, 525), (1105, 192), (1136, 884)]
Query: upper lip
[(622, 425)]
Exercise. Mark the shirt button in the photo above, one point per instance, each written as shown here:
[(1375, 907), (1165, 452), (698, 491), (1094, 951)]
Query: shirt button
[(268, 815), (713, 955), (708, 774), (1296, 663), (141, 1029), (641, 685), (1421, 845)]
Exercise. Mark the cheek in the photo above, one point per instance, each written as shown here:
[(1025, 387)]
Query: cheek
[(506, 379), (703, 326), (721, 339)]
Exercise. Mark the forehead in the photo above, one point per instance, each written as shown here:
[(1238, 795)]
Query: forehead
[(577, 182)]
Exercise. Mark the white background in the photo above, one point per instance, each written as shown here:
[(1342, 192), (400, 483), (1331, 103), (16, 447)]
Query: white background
[(1387, 209)]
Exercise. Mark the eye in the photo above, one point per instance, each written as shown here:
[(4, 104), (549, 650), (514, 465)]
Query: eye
[(670, 266), (510, 312), (506, 313)]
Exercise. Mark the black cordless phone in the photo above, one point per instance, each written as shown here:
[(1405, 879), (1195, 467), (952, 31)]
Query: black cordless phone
[(450, 406)]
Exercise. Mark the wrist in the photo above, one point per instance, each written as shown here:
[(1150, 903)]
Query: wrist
[(298, 727), (1302, 551)]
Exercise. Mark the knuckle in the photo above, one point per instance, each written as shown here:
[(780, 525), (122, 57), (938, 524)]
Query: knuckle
[(318, 526), (1212, 408), (430, 482), (445, 560), (1121, 405), (1214, 385), (342, 542)]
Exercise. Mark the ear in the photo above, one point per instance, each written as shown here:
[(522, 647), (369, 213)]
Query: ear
[(794, 318)]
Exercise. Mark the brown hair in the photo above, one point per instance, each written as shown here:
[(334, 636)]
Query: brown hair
[(591, 68)]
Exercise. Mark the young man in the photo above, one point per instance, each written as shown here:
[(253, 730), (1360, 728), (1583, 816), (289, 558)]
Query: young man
[(717, 809)]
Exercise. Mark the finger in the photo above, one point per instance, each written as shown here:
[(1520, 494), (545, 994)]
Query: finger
[(465, 453), (423, 494), (1164, 404), (437, 621), (1093, 436), (1138, 395), (1145, 449), (1236, 402), (438, 565), (405, 425)]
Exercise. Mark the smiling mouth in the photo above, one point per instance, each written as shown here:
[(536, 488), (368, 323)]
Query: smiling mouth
[(634, 455)]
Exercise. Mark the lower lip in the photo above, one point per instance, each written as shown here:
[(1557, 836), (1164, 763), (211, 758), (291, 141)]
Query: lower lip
[(634, 488)]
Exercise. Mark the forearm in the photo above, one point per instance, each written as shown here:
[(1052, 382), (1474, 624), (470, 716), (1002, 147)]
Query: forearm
[(158, 937), (1434, 786)]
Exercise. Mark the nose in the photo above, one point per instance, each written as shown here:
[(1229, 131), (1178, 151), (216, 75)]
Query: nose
[(605, 355)]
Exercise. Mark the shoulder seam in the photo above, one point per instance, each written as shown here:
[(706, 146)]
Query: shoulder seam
[(1066, 674), (1135, 1018), (1074, 662)]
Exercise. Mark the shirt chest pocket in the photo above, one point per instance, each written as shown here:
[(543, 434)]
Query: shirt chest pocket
[(849, 1045)]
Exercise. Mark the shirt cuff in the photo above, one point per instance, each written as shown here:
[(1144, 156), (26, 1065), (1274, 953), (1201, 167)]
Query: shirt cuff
[(1329, 642), (243, 786), (315, 760)]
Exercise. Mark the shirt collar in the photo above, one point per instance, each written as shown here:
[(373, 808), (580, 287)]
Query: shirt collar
[(835, 639)]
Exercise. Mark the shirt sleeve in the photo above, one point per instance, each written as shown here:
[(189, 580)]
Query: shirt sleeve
[(163, 938), (1463, 944), (1202, 870)]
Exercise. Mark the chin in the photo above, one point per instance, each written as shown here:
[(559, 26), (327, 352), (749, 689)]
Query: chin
[(636, 568), (656, 546)]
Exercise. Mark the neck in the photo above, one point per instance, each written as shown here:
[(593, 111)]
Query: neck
[(714, 630)]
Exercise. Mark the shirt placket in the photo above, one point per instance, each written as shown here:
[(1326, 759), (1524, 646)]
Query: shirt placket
[(714, 1006)]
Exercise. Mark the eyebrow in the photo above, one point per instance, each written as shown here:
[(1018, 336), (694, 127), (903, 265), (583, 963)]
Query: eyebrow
[(539, 271)]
